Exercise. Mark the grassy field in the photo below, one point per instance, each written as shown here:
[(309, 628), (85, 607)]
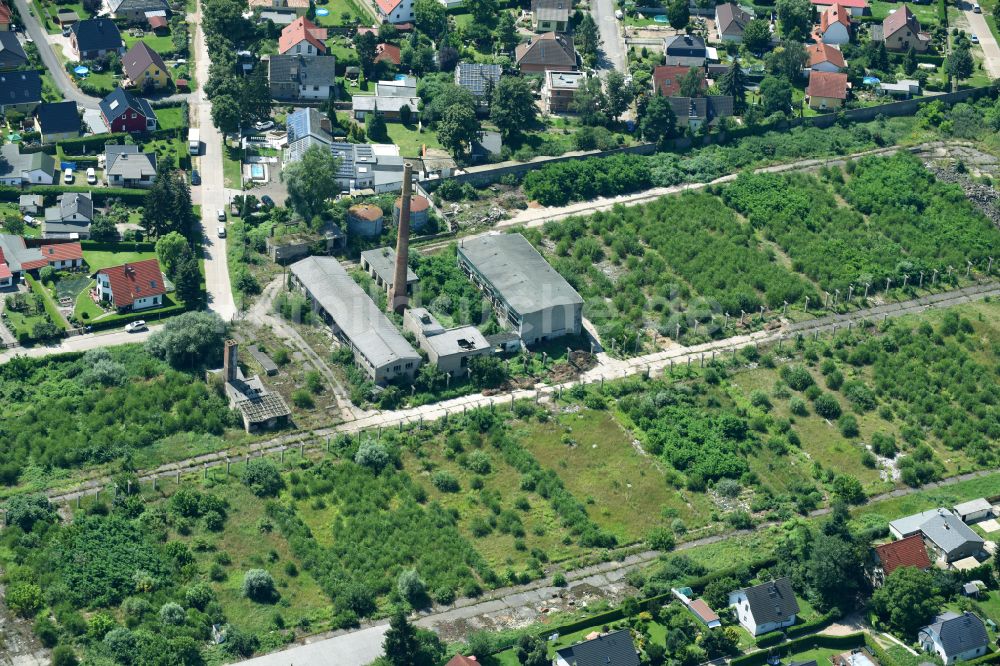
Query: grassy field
[(231, 168), (171, 118), (926, 14), (410, 141), (98, 259), (337, 9), (162, 44)]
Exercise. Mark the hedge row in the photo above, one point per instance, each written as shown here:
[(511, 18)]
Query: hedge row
[(50, 308), (116, 321), (814, 641), (100, 194), (96, 142), (699, 584), (814, 626), (130, 246)]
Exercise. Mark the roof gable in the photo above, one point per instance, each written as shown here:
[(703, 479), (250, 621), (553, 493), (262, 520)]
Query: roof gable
[(140, 279), (820, 53), (97, 34), (960, 633), (732, 18), (547, 49), (612, 649), (830, 85), (20, 87), (58, 117), (139, 58), (834, 15), (119, 101), (302, 29), (899, 19), (10, 47), (773, 601), (908, 552)]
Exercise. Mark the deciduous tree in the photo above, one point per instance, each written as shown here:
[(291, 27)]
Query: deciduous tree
[(311, 181), (679, 14), (512, 108), (757, 36), (795, 19), (458, 129)]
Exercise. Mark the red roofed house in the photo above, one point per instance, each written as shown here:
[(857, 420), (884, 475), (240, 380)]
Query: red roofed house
[(394, 11), (131, 287), (854, 7), (388, 53), (826, 90), (459, 660), (835, 25), (667, 79), (901, 30), (908, 552), (302, 37), (16, 258), (5, 17), (826, 58)]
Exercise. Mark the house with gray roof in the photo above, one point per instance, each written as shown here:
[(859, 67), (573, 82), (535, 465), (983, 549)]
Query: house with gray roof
[(955, 637), (974, 510), (944, 533), (614, 648), (306, 127), (31, 204), (525, 291), (730, 21), (766, 607), (17, 168), (389, 99), (379, 349), (20, 91), (12, 54), (125, 166), (294, 78), (136, 11), (70, 217), (372, 166), (550, 15)]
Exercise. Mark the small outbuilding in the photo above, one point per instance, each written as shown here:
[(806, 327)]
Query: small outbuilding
[(974, 510)]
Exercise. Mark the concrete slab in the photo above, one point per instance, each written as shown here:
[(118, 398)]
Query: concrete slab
[(990, 526)]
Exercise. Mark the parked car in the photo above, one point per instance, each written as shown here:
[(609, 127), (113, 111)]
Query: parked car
[(267, 201), (91, 176), (976, 8), (973, 39), (68, 175), (135, 326), (65, 31), (221, 231), (195, 177), (266, 125), (221, 215)]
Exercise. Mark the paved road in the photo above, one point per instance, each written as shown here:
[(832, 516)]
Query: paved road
[(613, 45), (987, 41), (211, 194), (77, 343)]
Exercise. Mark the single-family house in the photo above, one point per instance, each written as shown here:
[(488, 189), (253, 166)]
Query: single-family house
[(694, 112), (302, 37), (825, 58), (12, 54), (135, 11), (31, 204), (907, 552), (479, 79), (667, 79), (388, 53), (614, 648), (376, 167), (389, 99), (124, 112), (835, 25), (145, 68), (730, 21), (549, 51), (20, 91), (70, 217), (766, 607), (306, 127), (954, 637), (57, 121), (974, 510), (943, 532), (550, 15), (826, 90), (6, 17), (95, 38), (685, 51), (855, 7), (17, 258), (559, 88), (394, 11), (131, 287), (901, 30), (125, 166), (17, 168), (301, 77)]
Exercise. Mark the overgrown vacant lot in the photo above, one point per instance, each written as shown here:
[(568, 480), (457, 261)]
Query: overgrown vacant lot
[(767, 239)]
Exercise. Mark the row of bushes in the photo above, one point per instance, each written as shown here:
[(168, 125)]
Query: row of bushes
[(104, 246), (96, 142), (116, 321), (100, 194), (776, 637), (50, 307), (812, 642)]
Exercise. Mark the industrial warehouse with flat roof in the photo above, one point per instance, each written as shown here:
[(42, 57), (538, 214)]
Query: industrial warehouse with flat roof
[(523, 288), (379, 348)]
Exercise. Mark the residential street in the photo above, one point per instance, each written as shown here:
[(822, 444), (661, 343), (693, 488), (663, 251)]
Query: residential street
[(33, 27), (613, 45), (77, 343), (211, 194), (991, 51)]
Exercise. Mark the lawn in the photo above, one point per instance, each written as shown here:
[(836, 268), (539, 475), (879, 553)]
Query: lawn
[(337, 9), (409, 140), (231, 168), (926, 14), (170, 117), (162, 44), (98, 259), (85, 308), (106, 81)]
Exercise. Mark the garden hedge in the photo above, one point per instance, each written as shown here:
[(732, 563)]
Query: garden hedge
[(50, 307), (115, 321), (123, 246), (100, 194), (760, 657)]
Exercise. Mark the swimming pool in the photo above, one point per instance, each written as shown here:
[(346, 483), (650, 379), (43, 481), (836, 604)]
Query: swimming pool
[(322, 11), (257, 171), (661, 18)]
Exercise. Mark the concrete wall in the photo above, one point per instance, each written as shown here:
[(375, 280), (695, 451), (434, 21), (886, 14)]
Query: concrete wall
[(490, 173)]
